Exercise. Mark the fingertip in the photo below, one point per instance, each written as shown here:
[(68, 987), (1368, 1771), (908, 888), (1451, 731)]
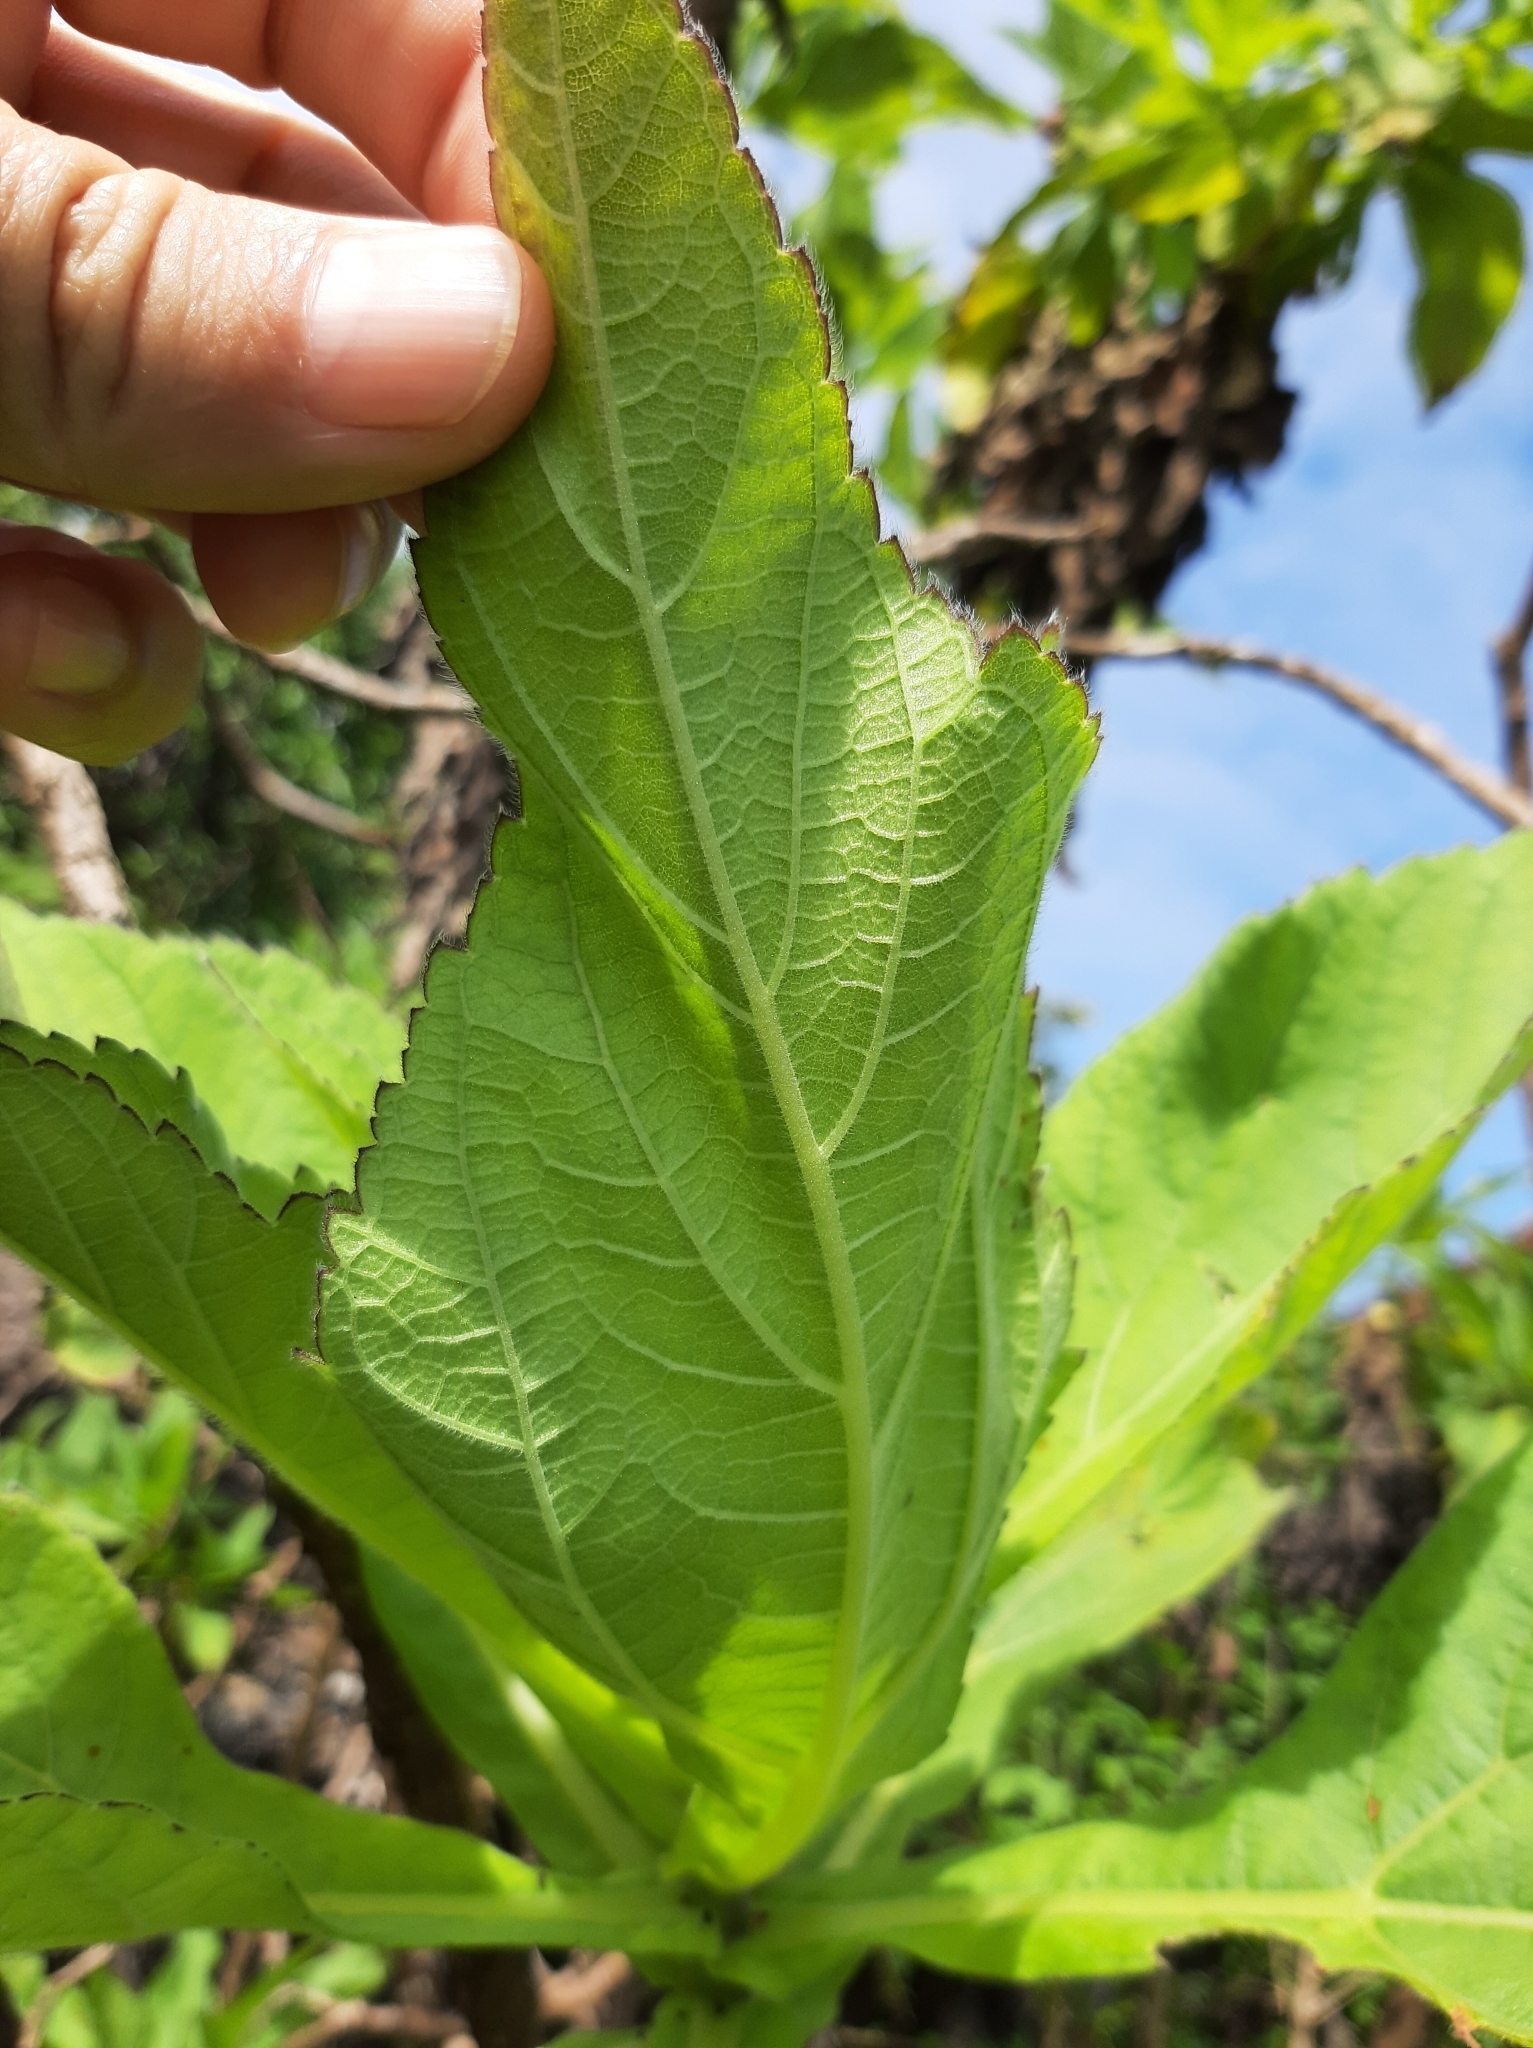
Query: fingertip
[(277, 578), (99, 657)]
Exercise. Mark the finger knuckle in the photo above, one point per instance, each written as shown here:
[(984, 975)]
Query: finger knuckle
[(103, 251), (79, 232)]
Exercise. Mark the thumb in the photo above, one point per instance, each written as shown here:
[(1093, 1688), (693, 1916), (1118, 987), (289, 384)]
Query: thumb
[(199, 352)]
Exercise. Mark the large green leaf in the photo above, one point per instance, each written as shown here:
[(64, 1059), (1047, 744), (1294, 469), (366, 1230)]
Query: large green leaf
[(1387, 1830), (131, 1222), (1157, 1536), (287, 1061), (118, 1820), (1226, 1165), (675, 1281)]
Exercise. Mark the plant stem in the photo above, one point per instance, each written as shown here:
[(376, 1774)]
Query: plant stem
[(1500, 798)]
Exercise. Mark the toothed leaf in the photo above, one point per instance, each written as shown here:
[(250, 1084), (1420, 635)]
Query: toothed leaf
[(676, 1280)]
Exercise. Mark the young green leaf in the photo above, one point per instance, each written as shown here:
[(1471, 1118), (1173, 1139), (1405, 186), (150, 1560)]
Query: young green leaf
[(133, 1224), (1387, 1830), (1226, 1165), (285, 1060), (674, 1282), (857, 81), (1467, 237), (118, 1820)]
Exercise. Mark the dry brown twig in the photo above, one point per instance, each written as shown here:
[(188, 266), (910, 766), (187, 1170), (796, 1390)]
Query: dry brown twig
[(339, 677), (72, 826), (275, 789), (1501, 799), (353, 1764), (1308, 2001), (356, 2016), (63, 1979), (1507, 653), (576, 1993), (962, 539)]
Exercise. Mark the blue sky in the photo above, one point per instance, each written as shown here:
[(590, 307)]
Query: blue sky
[(1388, 544)]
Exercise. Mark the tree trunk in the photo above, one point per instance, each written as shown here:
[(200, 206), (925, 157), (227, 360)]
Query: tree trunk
[(1098, 459)]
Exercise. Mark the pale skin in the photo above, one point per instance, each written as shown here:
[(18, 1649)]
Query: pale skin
[(267, 338)]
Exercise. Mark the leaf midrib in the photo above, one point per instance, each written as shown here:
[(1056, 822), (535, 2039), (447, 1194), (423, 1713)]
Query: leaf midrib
[(824, 1759)]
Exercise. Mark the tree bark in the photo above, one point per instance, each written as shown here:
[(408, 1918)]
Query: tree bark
[(456, 787), (1091, 464), (72, 826), (495, 1989)]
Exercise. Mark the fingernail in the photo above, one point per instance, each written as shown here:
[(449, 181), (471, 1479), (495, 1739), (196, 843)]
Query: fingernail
[(409, 326), (81, 644), (371, 535)]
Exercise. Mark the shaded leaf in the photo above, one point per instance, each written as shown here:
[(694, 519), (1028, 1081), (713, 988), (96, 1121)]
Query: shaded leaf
[(118, 1820), (285, 1060), (858, 81), (1467, 236)]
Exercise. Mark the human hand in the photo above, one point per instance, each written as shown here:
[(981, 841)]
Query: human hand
[(195, 323)]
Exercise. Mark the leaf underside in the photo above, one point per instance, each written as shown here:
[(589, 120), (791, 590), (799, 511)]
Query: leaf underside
[(682, 1270), (118, 1207)]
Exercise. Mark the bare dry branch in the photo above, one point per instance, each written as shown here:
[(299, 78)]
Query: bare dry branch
[(964, 539), (576, 1994), (275, 789), (72, 826), (339, 676), (25, 1362), (356, 1760), (1499, 798), (1405, 2020), (356, 2016), (1507, 653)]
